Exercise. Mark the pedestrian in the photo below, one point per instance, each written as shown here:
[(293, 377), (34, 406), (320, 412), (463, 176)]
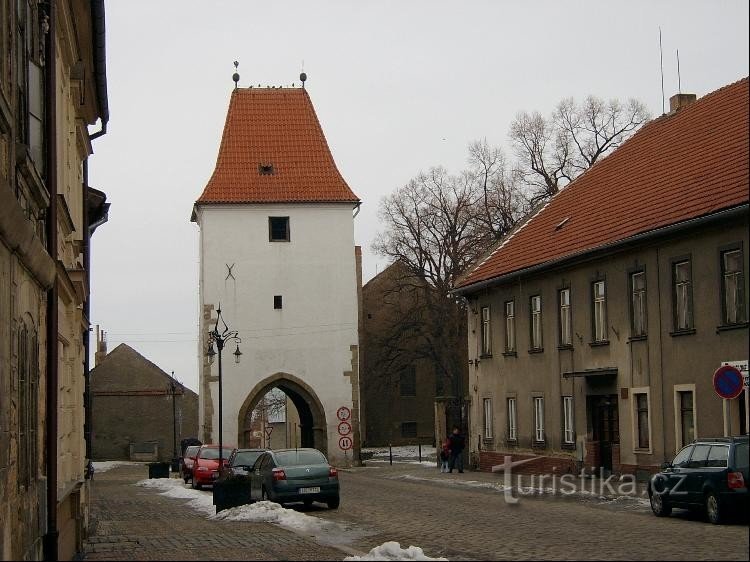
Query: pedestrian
[(456, 443), (445, 454)]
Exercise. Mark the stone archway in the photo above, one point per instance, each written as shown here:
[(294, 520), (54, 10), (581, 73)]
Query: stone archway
[(313, 432)]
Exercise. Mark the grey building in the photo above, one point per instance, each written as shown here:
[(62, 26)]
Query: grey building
[(139, 411), (596, 327)]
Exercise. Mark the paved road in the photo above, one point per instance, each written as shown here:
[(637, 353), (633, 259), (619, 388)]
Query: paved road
[(415, 506)]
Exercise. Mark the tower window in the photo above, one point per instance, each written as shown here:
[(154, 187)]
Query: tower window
[(278, 229), (265, 169), (277, 302)]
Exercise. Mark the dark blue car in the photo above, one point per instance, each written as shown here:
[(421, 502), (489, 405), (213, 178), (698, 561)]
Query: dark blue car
[(710, 474)]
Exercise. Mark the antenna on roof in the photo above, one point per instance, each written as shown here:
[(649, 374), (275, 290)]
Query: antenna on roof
[(236, 75), (661, 62), (302, 75), (679, 80)]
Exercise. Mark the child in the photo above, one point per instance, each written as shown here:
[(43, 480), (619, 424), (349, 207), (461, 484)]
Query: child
[(445, 455)]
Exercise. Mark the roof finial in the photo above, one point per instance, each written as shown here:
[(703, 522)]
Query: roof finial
[(302, 75), (236, 76)]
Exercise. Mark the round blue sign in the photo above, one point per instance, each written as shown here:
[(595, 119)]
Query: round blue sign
[(728, 382)]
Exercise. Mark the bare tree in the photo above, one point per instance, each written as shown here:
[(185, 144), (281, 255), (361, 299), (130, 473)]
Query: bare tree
[(553, 151)]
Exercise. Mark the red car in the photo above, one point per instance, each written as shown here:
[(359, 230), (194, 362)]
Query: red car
[(206, 465), (187, 462)]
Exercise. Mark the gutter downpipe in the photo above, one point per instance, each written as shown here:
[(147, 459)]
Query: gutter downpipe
[(50, 117), (87, 313)]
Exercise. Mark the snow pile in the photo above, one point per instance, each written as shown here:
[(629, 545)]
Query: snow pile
[(104, 466), (174, 488), (408, 454), (270, 512), (392, 551)]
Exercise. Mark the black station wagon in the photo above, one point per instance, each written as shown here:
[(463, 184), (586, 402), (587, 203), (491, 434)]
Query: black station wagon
[(711, 474)]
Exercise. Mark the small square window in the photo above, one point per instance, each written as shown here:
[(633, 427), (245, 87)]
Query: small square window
[(409, 429), (277, 302), (278, 229)]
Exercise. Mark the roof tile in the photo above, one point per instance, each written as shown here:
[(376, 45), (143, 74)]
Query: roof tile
[(680, 166), (276, 126)]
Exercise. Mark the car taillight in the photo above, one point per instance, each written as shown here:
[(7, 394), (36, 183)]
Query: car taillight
[(278, 474), (332, 472), (735, 480)]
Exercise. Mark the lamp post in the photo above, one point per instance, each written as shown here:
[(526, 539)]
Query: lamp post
[(221, 338), (172, 389)]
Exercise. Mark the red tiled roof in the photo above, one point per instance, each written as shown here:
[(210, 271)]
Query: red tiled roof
[(278, 127), (680, 166)]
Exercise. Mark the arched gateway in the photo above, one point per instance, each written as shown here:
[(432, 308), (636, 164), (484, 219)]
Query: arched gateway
[(277, 253), (312, 417)]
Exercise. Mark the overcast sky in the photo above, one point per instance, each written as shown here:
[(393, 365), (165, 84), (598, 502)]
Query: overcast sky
[(398, 87)]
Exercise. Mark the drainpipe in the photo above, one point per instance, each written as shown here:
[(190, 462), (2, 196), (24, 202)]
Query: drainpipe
[(87, 314), (50, 117)]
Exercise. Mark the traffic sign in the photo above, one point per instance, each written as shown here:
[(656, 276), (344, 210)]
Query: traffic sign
[(345, 428), (742, 366), (345, 443), (269, 430), (728, 382), (343, 413)]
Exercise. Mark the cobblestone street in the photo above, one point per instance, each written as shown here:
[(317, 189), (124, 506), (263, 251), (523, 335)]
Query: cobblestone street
[(414, 505)]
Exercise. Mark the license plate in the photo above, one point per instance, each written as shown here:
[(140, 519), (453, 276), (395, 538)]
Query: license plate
[(315, 490)]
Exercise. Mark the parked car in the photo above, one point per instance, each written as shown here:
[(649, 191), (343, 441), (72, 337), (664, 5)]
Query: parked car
[(710, 474), (241, 462), (295, 475), (187, 461), (206, 466)]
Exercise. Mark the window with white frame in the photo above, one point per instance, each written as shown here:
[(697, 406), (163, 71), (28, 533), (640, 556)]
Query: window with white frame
[(600, 311), (568, 428), (536, 322), (565, 321), (510, 326), (538, 419), (638, 303), (486, 336), (685, 403), (733, 286), (642, 428), (512, 420), (683, 295), (488, 418)]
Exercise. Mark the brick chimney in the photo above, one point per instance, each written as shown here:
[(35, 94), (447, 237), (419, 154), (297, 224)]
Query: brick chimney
[(678, 101), (101, 346)]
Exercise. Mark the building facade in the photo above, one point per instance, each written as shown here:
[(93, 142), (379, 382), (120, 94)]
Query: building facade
[(399, 385), (52, 87), (277, 255), (596, 327), (139, 411)]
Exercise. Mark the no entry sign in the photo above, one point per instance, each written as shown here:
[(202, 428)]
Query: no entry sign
[(728, 382)]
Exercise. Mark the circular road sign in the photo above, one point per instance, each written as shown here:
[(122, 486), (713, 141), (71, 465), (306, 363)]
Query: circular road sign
[(345, 443), (343, 413), (728, 382), (344, 428)]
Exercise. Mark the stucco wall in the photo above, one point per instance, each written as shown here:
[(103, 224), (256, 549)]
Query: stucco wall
[(313, 337)]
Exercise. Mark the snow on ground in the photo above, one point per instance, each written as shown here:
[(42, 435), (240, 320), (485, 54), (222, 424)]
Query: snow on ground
[(104, 466), (175, 488), (392, 551), (269, 512)]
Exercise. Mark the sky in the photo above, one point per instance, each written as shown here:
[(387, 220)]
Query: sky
[(398, 87)]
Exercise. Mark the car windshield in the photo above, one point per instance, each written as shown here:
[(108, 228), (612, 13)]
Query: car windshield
[(246, 458), (296, 458), (192, 450), (212, 454), (741, 454)]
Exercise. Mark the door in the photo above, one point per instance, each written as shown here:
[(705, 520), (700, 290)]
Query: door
[(605, 425)]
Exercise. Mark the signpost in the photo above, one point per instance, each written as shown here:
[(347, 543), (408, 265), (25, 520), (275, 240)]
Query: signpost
[(345, 428), (345, 443), (742, 367)]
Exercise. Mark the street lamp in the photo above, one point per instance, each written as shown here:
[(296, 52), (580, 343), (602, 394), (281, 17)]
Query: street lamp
[(221, 338), (172, 387)]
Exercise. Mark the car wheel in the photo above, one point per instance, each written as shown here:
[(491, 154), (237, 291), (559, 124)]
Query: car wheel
[(659, 505), (333, 503), (195, 484), (714, 509)]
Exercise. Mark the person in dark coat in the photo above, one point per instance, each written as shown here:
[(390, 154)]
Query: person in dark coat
[(457, 443)]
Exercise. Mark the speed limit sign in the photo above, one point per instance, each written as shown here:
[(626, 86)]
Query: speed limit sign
[(345, 428)]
